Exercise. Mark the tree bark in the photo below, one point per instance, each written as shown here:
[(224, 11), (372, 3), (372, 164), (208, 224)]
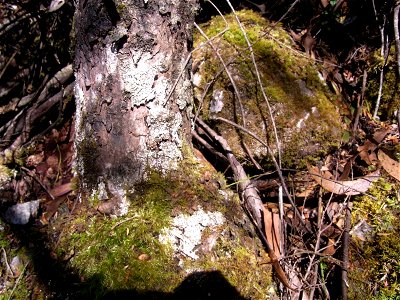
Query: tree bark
[(133, 91)]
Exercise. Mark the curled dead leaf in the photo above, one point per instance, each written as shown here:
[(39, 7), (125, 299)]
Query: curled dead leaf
[(350, 187), (390, 165)]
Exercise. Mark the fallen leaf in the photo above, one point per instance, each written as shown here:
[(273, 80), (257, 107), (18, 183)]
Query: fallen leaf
[(352, 187), (366, 150), (390, 165), (61, 189), (380, 134), (272, 232), (330, 247)]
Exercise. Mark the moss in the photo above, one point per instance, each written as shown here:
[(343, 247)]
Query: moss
[(109, 249), (125, 253), (235, 259), (377, 265), (290, 79), (390, 100)]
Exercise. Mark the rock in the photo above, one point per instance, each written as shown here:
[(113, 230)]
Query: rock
[(305, 111), (16, 265), (20, 214)]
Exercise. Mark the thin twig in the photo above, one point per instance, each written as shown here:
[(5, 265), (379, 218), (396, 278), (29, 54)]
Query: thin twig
[(123, 221), (209, 147), (18, 280), (6, 262), (346, 238), (360, 104), (33, 175)]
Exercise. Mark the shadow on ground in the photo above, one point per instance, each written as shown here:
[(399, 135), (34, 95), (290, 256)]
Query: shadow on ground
[(57, 281)]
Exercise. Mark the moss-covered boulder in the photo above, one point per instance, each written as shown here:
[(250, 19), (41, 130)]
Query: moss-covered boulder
[(306, 113)]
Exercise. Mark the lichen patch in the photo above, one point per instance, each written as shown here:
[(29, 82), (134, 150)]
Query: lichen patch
[(185, 233)]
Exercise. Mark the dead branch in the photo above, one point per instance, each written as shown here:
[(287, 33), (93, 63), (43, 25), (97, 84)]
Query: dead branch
[(251, 199), (277, 167), (346, 238)]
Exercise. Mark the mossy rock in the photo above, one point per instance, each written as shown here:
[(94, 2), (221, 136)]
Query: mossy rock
[(306, 113)]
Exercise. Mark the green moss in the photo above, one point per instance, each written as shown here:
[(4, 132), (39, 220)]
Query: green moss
[(390, 95), (234, 260), (109, 250), (378, 259)]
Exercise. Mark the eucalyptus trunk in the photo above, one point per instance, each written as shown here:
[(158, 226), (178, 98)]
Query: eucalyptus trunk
[(133, 92)]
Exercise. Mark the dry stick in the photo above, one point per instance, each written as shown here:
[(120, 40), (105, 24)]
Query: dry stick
[(253, 59), (278, 169), (286, 13), (18, 280), (236, 90), (208, 146), (252, 201), (6, 262), (360, 106), (346, 238), (385, 55), (316, 249), (397, 40), (33, 175)]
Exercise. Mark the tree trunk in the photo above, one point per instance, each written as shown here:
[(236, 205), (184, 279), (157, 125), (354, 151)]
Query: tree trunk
[(130, 115)]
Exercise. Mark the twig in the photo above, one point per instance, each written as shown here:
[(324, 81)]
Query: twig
[(397, 34), (208, 146), (123, 221), (251, 199), (360, 104), (346, 238), (397, 40), (286, 13), (7, 64), (18, 280), (6, 262), (384, 54), (236, 90), (190, 55), (33, 175)]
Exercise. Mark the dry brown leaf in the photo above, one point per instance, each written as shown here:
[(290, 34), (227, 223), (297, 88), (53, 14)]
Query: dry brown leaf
[(380, 134), (272, 233), (61, 189), (365, 152), (390, 165), (352, 187)]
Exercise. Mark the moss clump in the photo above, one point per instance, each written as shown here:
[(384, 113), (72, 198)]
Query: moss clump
[(377, 263), (304, 110), (390, 100), (125, 253)]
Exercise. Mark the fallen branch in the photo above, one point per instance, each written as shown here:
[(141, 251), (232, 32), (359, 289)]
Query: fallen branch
[(277, 167), (251, 199)]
